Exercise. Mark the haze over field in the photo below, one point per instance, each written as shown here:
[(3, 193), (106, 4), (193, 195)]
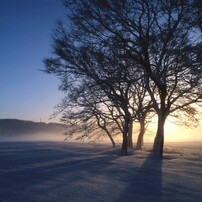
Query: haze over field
[(21, 130)]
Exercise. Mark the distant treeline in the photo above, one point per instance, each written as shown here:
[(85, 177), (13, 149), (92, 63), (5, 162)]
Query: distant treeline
[(15, 127)]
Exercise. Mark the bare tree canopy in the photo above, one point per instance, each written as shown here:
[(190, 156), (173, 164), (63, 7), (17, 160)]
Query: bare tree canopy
[(116, 43)]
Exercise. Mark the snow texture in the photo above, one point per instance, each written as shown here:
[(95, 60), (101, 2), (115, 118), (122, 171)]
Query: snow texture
[(76, 172)]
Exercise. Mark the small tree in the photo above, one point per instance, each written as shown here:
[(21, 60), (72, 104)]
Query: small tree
[(83, 117), (141, 107)]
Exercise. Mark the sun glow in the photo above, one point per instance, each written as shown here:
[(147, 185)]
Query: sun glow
[(180, 133), (175, 132)]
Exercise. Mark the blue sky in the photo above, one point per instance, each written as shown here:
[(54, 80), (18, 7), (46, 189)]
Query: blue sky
[(25, 40)]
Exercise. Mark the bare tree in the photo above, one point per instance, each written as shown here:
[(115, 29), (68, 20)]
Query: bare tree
[(157, 38), (143, 110), (78, 62), (84, 117), (171, 61)]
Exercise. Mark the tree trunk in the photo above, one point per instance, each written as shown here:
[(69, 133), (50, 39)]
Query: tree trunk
[(159, 139), (162, 115), (104, 127), (141, 134), (111, 139), (130, 134), (124, 150)]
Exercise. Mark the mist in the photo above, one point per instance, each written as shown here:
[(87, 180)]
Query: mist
[(34, 137)]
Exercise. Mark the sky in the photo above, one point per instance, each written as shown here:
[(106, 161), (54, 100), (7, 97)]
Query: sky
[(25, 40)]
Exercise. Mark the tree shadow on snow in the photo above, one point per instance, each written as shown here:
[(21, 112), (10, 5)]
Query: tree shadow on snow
[(146, 184), (54, 175)]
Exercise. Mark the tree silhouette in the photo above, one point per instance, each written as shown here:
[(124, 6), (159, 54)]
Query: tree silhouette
[(76, 63), (111, 42)]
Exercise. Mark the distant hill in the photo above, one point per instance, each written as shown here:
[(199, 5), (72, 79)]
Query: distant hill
[(14, 127)]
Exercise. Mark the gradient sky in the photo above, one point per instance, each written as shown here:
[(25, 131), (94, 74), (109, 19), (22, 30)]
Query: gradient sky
[(25, 40)]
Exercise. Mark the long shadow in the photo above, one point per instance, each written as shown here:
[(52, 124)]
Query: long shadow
[(32, 173), (146, 184)]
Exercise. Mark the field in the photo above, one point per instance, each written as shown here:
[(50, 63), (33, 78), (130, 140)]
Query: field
[(78, 172)]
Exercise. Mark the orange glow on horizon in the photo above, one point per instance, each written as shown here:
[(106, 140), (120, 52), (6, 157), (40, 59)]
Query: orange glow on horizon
[(176, 133)]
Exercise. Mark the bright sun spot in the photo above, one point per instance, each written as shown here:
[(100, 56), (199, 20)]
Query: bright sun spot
[(176, 133)]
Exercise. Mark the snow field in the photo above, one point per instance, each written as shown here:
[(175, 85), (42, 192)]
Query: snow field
[(52, 171)]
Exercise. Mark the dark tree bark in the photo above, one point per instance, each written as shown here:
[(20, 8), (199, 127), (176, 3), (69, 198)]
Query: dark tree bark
[(130, 134), (124, 149), (159, 139), (162, 115), (112, 141), (141, 135), (111, 138)]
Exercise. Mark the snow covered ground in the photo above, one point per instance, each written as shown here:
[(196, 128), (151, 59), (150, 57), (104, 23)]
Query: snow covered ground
[(76, 172)]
